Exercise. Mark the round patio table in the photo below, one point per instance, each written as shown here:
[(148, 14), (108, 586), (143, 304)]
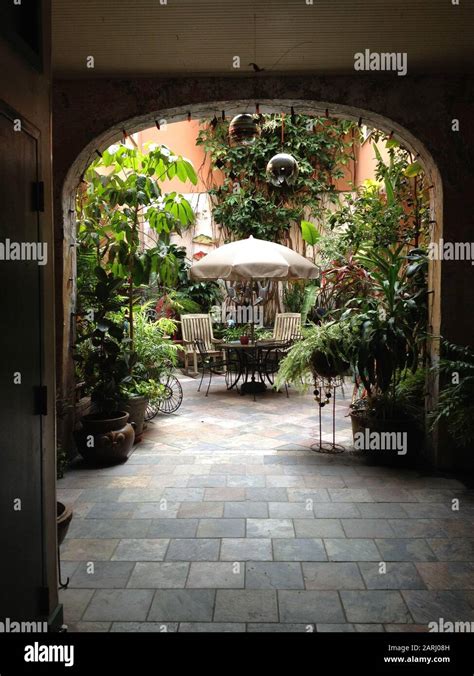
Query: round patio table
[(250, 360)]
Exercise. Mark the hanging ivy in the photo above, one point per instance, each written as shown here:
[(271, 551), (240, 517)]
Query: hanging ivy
[(246, 203)]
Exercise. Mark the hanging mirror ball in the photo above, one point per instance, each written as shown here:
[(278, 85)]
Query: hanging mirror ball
[(243, 130), (282, 168)]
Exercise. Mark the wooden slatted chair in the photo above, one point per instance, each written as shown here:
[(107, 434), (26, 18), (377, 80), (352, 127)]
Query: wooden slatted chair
[(198, 328), (287, 326)]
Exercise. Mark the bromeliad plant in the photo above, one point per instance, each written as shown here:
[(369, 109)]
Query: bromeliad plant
[(126, 218)]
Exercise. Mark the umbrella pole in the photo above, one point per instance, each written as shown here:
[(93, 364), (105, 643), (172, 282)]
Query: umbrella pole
[(252, 325)]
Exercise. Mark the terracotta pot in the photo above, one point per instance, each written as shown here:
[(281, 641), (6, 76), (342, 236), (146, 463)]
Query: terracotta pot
[(63, 519), (136, 407), (105, 440), (244, 340)]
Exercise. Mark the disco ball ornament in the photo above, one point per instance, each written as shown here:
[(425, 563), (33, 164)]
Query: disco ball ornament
[(282, 168), (243, 130)]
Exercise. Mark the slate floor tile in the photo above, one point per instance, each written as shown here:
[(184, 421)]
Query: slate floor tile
[(119, 604), (246, 509), (290, 510), (209, 627), (144, 549), (111, 510), (246, 605), (332, 575), (276, 627), (108, 528), (398, 575), (267, 494), (157, 510), (420, 528), (375, 606), (144, 627), (447, 575), (270, 528), (299, 549), (221, 528), (353, 549), (404, 549), (182, 605), (246, 549), (430, 606), (350, 495), (318, 528), (210, 575), (102, 574), (273, 575), (189, 549), (337, 510), (201, 510), (225, 494), (84, 549), (151, 575), (173, 528), (74, 601), (453, 549), (367, 528), (310, 606)]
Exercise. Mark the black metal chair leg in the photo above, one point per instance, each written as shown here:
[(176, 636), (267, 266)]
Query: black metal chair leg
[(209, 383), (202, 378)]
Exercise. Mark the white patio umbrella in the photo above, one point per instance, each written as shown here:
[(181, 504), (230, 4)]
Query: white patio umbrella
[(253, 259)]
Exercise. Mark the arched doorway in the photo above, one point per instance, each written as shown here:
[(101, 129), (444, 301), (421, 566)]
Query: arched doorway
[(203, 110)]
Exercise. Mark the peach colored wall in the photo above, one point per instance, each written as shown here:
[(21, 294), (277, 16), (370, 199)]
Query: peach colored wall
[(366, 162), (181, 137)]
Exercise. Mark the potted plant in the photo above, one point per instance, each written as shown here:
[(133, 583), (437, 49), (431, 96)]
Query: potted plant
[(322, 353), (155, 355), (392, 326), (106, 434)]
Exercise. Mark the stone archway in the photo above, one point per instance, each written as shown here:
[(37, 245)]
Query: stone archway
[(69, 173)]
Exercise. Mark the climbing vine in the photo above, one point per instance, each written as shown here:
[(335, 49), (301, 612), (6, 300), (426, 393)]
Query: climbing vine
[(246, 203)]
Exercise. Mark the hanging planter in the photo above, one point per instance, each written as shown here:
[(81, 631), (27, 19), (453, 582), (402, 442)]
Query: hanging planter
[(243, 130), (282, 169)]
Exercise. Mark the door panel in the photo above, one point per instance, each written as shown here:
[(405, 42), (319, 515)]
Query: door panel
[(21, 563)]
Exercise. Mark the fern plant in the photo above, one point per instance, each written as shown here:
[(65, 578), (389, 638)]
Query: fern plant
[(455, 407)]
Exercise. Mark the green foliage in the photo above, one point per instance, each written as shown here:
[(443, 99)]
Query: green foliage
[(392, 320), (455, 406), (122, 192), (103, 355), (334, 340), (310, 233), (247, 204), (233, 333), (398, 213), (156, 355), (300, 296)]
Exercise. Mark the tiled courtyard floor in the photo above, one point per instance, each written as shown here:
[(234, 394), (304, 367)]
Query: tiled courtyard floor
[(224, 520)]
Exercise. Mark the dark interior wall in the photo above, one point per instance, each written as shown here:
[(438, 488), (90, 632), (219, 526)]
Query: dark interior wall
[(29, 562), (90, 114)]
